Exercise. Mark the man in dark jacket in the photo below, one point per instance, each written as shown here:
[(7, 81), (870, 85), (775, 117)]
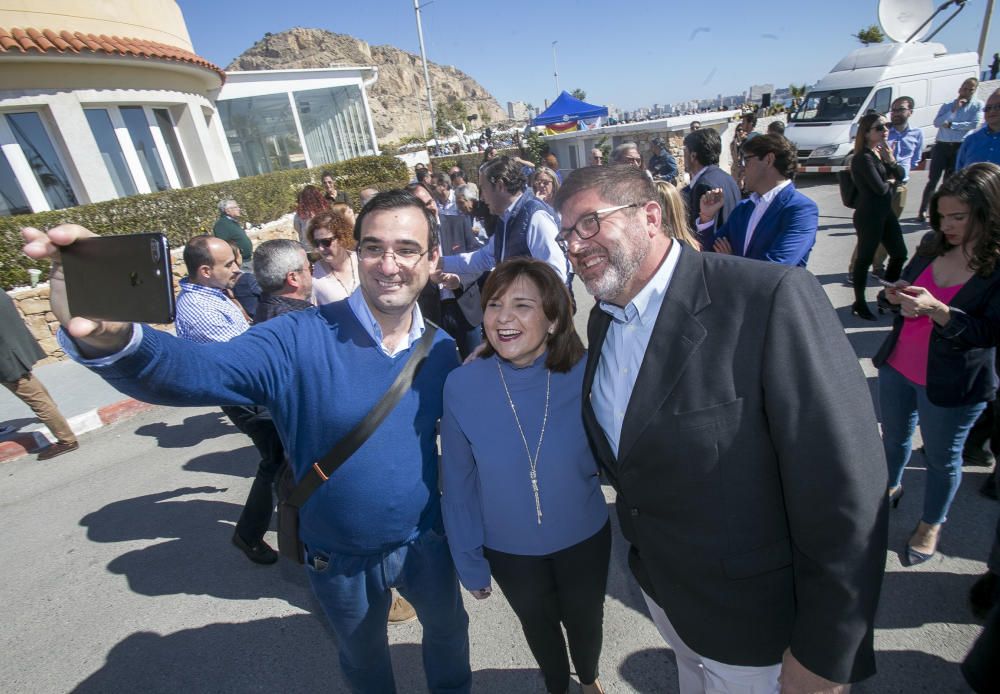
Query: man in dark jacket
[(228, 228), (18, 353), (662, 165), (702, 149), (284, 274)]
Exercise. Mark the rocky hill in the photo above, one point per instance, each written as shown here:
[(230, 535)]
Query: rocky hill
[(397, 98)]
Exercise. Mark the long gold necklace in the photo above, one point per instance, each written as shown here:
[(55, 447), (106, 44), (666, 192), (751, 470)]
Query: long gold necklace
[(532, 460)]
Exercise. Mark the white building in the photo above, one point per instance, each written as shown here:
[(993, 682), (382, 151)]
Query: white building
[(101, 100), (518, 110), (288, 119)]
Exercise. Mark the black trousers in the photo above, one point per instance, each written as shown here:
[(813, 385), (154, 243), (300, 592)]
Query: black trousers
[(256, 423), (467, 336), (943, 156), (563, 589), (875, 224)]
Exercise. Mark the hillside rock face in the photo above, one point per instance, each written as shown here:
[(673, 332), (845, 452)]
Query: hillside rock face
[(398, 99)]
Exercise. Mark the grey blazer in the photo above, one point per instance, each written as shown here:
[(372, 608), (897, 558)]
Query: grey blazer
[(750, 476)]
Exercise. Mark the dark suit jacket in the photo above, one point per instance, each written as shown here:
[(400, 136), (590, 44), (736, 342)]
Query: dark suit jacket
[(750, 476), (785, 234), (711, 177), (962, 356), (457, 237), (18, 348)]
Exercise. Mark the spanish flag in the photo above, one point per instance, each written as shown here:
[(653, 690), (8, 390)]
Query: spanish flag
[(559, 128)]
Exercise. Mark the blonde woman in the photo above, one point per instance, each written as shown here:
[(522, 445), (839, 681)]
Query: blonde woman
[(675, 215)]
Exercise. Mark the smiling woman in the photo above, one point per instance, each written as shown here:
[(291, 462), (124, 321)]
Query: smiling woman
[(521, 499)]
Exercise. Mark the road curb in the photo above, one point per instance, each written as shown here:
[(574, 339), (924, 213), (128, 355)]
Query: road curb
[(33, 441)]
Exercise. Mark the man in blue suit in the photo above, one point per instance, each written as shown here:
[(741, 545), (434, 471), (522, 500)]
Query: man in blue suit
[(776, 223)]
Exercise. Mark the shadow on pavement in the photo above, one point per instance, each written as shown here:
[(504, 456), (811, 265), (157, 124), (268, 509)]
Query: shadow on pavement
[(279, 654), (197, 556), (650, 670), (192, 431), (241, 462), (904, 672), (17, 425)]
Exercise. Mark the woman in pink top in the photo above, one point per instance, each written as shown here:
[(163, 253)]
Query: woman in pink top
[(937, 365)]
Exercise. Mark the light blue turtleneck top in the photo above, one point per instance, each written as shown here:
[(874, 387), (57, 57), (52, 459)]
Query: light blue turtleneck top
[(487, 499)]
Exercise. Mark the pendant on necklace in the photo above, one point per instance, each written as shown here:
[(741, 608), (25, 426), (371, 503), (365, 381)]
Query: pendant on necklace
[(538, 502)]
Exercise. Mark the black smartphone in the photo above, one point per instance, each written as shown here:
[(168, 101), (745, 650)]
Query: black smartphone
[(120, 278)]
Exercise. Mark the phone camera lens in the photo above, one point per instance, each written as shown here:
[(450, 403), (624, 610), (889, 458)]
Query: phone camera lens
[(154, 249)]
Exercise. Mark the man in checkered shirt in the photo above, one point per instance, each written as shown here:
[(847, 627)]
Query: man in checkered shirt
[(207, 312)]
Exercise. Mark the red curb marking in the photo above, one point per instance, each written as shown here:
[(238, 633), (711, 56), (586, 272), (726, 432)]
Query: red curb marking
[(120, 410), (21, 444)]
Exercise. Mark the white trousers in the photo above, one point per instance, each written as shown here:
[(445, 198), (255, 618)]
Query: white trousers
[(700, 675)]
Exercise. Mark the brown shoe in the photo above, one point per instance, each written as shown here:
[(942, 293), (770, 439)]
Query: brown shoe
[(57, 449), (401, 611)]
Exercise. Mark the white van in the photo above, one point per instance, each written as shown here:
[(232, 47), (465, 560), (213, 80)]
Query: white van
[(870, 78)]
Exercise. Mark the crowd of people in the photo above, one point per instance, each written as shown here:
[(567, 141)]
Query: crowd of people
[(718, 395)]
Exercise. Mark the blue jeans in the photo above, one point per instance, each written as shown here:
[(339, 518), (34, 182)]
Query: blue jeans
[(944, 430), (354, 593)]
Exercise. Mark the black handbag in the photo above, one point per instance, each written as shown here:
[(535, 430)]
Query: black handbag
[(292, 496)]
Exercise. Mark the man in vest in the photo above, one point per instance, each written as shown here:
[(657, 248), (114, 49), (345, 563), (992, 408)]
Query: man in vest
[(527, 225)]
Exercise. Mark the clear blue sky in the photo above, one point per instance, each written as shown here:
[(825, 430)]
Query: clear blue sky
[(628, 53)]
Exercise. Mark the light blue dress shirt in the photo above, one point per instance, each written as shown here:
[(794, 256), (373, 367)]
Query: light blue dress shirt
[(542, 242), (908, 148), (963, 121), (625, 346)]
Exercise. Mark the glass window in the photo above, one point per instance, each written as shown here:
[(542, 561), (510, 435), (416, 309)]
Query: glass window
[(166, 125), (334, 124), (111, 151), (832, 105), (145, 147), (41, 155), (881, 101), (12, 200), (262, 134)]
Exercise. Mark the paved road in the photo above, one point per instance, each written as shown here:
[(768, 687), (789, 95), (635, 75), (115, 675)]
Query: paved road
[(118, 573)]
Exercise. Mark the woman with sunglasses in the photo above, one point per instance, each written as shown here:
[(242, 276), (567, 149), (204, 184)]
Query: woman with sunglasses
[(335, 276), (875, 173)]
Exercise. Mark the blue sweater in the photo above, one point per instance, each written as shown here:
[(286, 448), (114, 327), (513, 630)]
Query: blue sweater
[(486, 490), (319, 373)]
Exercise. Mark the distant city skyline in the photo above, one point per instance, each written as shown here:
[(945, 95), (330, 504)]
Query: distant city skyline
[(632, 53)]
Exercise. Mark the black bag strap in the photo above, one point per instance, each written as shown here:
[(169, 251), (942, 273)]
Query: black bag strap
[(344, 449)]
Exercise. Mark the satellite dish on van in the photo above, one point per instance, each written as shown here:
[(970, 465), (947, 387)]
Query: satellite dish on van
[(901, 18)]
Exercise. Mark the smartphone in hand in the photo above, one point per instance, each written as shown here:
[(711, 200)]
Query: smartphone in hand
[(120, 278)]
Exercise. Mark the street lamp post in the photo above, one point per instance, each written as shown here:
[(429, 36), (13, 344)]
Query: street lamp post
[(555, 68), (427, 74)]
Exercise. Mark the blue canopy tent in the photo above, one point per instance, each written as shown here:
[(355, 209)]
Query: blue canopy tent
[(567, 109)]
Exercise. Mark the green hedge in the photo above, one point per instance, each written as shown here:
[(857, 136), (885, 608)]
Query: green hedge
[(469, 163), (186, 212)]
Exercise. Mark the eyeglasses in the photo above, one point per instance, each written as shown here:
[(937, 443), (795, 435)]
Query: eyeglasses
[(747, 157), (632, 160), (994, 107), (879, 126), (589, 225), (900, 109), (325, 243), (403, 257)]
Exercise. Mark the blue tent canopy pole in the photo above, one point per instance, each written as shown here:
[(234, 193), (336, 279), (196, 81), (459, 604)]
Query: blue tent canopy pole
[(567, 108)]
